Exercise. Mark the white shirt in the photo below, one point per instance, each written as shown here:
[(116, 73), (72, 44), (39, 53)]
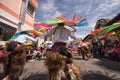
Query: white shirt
[(49, 44), (23, 38), (61, 34)]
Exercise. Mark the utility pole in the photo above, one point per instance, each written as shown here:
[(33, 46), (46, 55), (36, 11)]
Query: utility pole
[(21, 22)]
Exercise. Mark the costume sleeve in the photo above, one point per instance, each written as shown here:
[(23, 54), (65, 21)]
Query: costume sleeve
[(30, 38), (49, 33), (72, 35)]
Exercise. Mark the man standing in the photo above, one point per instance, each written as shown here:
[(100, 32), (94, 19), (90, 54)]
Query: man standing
[(60, 36)]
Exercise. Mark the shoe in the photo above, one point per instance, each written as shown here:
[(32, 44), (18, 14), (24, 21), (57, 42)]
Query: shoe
[(72, 75)]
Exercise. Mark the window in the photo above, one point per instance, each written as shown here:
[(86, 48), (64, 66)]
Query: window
[(30, 8), (6, 31)]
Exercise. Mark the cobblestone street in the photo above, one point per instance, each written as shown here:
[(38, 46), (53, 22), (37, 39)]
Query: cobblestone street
[(59, 39), (93, 69)]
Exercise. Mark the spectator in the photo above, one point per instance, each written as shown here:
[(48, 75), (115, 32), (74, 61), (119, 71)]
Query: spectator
[(116, 56)]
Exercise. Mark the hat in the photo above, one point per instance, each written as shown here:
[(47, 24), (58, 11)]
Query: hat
[(61, 24)]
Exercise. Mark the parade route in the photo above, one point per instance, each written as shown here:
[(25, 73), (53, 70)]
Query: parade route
[(60, 40), (93, 69)]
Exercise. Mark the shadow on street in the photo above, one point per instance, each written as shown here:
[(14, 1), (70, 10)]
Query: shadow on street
[(38, 76), (89, 75), (98, 75), (109, 64)]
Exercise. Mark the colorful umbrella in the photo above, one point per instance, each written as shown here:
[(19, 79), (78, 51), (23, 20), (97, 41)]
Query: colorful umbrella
[(109, 28), (28, 32)]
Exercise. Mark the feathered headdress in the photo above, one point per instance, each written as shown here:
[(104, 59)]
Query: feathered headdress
[(75, 19)]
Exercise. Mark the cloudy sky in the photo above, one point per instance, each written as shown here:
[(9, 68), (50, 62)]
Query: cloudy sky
[(90, 9)]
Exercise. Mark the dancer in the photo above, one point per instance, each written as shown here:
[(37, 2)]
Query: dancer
[(17, 57), (60, 37)]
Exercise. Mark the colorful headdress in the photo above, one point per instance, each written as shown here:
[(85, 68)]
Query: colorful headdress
[(75, 19)]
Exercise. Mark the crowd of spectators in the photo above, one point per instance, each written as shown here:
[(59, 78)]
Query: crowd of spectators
[(106, 48), (36, 53)]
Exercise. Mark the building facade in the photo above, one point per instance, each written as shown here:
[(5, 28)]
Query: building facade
[(101, 23), (104, 23), (13, 13)]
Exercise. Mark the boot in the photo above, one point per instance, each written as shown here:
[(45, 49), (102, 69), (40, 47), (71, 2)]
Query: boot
[(72, 75)]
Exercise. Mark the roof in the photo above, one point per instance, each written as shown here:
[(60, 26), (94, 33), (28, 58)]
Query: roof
[(114, 20)]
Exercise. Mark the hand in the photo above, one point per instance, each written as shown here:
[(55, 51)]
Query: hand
[(74, 30)]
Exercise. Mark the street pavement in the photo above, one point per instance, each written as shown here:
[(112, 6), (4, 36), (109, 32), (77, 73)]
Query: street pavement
[(92, 69)]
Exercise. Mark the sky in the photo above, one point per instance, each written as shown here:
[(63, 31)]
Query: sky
[(90, 9)]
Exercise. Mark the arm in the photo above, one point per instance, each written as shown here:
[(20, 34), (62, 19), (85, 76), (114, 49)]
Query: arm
[(49, 33), (72, 35)]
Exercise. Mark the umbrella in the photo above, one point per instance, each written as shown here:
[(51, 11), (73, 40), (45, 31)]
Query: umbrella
[(28, 32), (109, 28)]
